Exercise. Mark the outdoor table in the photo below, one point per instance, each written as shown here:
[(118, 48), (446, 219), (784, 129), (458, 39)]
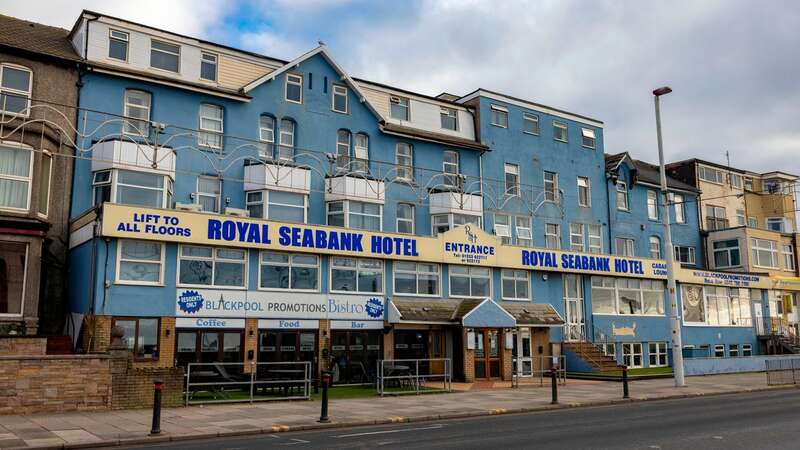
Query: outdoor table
[(398, 370), (205, 376), (287, 374)]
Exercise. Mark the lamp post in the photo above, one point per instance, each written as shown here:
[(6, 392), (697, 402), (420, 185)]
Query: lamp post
[(675, 321)]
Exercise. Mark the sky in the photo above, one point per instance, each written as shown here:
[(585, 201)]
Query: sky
[(733, 65)]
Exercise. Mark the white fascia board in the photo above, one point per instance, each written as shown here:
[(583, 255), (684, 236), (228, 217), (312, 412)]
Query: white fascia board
[(530, 106)]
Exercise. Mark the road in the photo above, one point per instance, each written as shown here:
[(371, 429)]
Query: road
[(761, 420)]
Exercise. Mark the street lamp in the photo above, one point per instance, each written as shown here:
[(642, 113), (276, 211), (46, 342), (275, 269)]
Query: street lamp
[(675, 321)]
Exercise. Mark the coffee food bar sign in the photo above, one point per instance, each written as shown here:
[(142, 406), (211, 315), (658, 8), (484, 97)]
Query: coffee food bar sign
[(466, 244)]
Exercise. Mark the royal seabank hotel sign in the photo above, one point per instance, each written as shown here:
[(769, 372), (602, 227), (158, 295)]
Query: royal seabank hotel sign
[(467, 244)]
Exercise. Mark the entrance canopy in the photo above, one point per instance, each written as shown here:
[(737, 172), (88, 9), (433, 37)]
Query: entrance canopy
[(484, 314)]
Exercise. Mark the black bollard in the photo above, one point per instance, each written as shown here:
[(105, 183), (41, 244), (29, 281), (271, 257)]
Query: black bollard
[(554, 378), (157, 386), (625, 382), (326, 381)]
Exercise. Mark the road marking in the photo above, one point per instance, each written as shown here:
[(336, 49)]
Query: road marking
[(717, 437), (369, 433), (279, 428)]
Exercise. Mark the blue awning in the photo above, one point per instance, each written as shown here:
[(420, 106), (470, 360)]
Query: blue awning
[(487, 314)]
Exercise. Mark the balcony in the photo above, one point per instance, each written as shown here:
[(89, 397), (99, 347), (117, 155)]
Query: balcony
[(350, 187), (127, 155), (456, 202), (278, 177)]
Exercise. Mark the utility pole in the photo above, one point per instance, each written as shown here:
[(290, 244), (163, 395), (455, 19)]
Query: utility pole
[(675, 321)]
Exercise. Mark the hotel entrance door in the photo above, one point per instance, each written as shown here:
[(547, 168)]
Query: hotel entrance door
[(487, 354)]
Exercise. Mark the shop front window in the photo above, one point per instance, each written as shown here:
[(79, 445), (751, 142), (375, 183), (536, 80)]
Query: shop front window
[(13, 261), (140, 336)]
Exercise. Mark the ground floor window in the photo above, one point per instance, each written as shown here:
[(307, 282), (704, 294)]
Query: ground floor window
[(719, 351), (610, 350), (13, 260), (747, 350), (141, 336), (632, 354), (288, 346), (733, 350), (209, 346), (658, 354), (355, 355)]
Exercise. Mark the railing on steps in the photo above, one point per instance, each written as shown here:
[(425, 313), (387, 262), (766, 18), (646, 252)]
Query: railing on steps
[(580, 349)]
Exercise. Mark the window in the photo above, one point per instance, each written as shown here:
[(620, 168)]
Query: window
[(416, 278), (137, 113), (469, 281), (101, 185), (343, 150), (450, 169), (208, 67), (405, 218), (588, 138), (502, 228), (610, 350), (499, 116), (576, 237), (632, 354), (524, 233), (449, 118), (294, 88), (655, 247), (680, 215), (775, 224), (765, 253), (13, 262), (624, 247), (140, 262), (719, 351), (658, 354), (141, 188), (294, 271), (353, 214), (44, 183), (740, 218), (552, 236), (530, 123), (404, 159), (286, 148), (748, 184), (266, 134), (747, 350), (278, 205), (711, 175), (584, 192), (118, 45), (716, 305), (716, 218), (736, 181), (684, 255), (165, 56), (771, 187), (788, 257), (595, 239), (15, 89), (733, 350), (550, 186), (16, 167), (339, 99), (726, 253), (211, 266), (512, 179), (398, 108), (356, 275), (210, 134), (560, 131), (652, 205), (440, 223), (515, 284), (752, 222), (361, 152), (622, 196), (209, 192), (140, 336)]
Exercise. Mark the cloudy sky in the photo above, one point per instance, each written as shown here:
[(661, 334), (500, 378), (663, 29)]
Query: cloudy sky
[(733, 64)]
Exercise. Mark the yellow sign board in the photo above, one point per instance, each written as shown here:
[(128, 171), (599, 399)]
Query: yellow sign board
[(732, 279)]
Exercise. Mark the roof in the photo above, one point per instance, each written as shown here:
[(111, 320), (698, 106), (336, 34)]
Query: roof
[(36, 38), (437, 99), (645, 172), (414, 309), (466, 306), (534, 314), (400, 130), (426, 309), (533, 105), (705, 163)]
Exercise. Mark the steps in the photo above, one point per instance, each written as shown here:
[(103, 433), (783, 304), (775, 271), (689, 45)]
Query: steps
[(592, 355)]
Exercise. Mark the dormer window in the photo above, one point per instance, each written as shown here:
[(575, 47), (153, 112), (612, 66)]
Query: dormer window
[(398, 108), (449, 118), (208, 67), (339, 101), (165, 56), (294, 88), (118, 45)]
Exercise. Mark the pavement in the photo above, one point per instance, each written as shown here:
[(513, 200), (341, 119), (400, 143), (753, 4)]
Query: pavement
[(128, 427)]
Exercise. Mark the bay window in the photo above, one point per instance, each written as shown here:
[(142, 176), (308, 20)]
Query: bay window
[(16, 167), (716, 305), (416, 278), (356, 275), (469, 281), (293, 271), (141, 188), (13, 264), (726, 253), (515, 284), (441, 223), (212, 266), (353, 214), (278, 205), (765, 253), (140, 262)]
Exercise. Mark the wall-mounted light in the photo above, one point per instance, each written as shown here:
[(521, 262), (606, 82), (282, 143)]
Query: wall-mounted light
[(545, 276)]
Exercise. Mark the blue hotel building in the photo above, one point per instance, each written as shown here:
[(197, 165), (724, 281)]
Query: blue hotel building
[(233, 207)]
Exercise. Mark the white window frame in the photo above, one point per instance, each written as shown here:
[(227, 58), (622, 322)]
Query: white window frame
[(730, 298), (166, 190), (530, 118), (216, 197), (659, 350), (561, 126), (499, 112), (403, 102), (716, 217), (719, 351), (396, 268), (451, 221), (584, 186), (266, 202), (470, 276), (733, 350), (13, 146), (691, 254), (622, 190), (343, 149), (346, 212), (290, 264), (43, 207), (680, 208), (516, 276), (726, 250), (577, 240), (360, 153), (178, 54), (266, 134), (451, 170), (210, 137), (512, 187), (775, 220), (121, 36), (612, 285), (628, 247), (213, 259), (752, 222), (120, 260), (736, 181), (285, 134), (787, 251), (404, 161), (412, 220), (341, 91), (652, 204), (16, 92), (523, 230), (747, 349), (294, 80), (703, 173), (654, 247), (128, 118), (629, 354), (595, 240), (771, 247), (503, 230), (588, 138), (449, 113), (551, 187), (548, 235), (332, 265), (741, 218), (210, 59)]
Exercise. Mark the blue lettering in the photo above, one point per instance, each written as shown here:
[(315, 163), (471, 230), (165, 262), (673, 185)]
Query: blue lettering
[(214, 227), (284, 238)]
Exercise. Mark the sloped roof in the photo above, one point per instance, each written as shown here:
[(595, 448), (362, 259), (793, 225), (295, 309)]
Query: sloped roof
[(426, 309), (534, 314), (646, 172), (36, 38)]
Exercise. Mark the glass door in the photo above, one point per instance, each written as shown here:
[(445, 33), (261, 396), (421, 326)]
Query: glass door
[(493, 337), (573, 308), (480, 355), (522, 352)]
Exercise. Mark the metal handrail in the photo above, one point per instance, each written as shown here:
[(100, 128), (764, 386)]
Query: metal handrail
[(250, 383), (416, 378), (585, 355)]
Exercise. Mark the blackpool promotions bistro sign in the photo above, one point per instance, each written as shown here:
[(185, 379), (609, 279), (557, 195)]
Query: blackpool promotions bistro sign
[(467, 244)]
